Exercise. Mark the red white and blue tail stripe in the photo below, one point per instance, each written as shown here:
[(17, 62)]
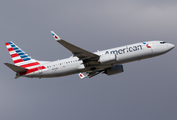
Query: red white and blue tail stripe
[(24, 64), (23, 60), (19, 57)]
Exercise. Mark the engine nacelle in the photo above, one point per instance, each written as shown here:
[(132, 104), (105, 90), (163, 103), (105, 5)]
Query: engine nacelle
[(108, 58), (114, 70)]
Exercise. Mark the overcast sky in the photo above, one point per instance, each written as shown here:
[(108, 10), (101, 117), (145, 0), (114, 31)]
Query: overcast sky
[(147, 90)]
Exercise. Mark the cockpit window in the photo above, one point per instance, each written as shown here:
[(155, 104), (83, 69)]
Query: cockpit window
[(163, 42)]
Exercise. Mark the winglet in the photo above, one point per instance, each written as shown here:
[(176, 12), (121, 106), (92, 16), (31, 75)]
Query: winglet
[(81, 75), (56, 37)]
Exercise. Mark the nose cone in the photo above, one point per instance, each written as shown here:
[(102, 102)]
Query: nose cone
[(170, 46)]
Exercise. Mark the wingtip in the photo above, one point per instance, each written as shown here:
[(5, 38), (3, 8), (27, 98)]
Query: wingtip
[(52, 32), (82, 76), (56, 37), (6, 64)]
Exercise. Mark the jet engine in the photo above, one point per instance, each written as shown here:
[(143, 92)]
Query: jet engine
[(108, 58), (114, 70)]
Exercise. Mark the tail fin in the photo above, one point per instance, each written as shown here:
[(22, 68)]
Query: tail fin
[(19, 57)]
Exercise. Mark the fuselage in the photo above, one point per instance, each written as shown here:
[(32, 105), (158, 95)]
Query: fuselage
[(124, 54)]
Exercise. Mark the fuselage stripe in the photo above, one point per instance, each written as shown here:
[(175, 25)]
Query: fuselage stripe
[(33, 70), (30, 65)]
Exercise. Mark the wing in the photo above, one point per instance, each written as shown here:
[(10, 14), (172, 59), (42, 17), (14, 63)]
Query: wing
[(79, 52)]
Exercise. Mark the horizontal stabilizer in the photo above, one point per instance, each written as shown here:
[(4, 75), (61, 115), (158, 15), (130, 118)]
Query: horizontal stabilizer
[(16, 68), (16, 77)]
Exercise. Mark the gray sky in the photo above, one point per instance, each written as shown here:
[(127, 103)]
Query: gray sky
[(145, 91)]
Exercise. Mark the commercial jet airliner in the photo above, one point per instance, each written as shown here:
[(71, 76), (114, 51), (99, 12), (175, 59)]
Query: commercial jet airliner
[(83, 62)]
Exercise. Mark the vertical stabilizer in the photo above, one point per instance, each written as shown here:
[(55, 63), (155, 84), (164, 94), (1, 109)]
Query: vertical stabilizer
[(19, 57)]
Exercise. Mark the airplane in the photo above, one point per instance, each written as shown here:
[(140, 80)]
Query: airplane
[(82, 61)]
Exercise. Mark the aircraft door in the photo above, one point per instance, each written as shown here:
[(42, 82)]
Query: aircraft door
[(153, 46), (40, 70)]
